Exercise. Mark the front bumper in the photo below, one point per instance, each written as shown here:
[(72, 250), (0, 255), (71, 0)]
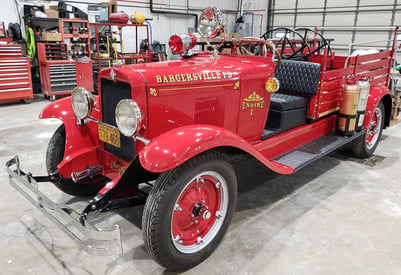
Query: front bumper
[(91, 239)]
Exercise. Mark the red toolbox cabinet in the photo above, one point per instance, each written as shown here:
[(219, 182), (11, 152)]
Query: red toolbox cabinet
[(58, 75), (85, 74), (15, 74)]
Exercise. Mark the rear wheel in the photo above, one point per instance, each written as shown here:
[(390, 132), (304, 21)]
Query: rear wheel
[(55, 154), (365, 145), (188, 211)]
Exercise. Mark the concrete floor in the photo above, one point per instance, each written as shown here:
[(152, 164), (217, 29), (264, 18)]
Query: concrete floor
[(336, 216)]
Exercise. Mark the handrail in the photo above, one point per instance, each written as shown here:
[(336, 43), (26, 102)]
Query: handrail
[(394, 40), (351, 45)]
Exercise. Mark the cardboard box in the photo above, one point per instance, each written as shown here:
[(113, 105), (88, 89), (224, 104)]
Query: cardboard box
[(51, 13), (112, 6), (236, 35), (51, 36), (233, 35)]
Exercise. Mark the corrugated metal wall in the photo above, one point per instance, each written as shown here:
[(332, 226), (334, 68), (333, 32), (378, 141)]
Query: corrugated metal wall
[(374, 16)]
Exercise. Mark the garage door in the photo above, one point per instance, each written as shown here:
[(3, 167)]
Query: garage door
[(345, 21)]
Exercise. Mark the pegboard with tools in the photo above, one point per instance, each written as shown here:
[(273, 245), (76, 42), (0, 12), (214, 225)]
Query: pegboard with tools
[(75, 33)]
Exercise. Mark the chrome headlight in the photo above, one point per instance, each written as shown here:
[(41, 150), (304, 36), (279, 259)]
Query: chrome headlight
[(82, 102), (128, 117)]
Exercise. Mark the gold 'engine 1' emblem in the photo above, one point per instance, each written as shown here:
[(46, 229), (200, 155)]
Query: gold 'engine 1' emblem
[(253, 101)]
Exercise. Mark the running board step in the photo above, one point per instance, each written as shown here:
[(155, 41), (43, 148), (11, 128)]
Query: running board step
[(309, 152)]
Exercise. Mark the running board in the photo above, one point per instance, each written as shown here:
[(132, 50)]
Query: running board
[(309, 152)]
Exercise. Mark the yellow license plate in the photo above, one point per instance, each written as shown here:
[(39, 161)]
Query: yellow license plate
[(109, 135)]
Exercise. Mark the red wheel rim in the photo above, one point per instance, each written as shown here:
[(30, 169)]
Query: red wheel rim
[(199, 212), (373, 132)]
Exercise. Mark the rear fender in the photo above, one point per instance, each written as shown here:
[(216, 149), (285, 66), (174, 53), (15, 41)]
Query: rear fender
[(80, 141), (176, 146), (378, 93)]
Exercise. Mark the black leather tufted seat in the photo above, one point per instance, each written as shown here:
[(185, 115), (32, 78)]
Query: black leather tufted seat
[(299, 76), (288, 111), (285, 102)]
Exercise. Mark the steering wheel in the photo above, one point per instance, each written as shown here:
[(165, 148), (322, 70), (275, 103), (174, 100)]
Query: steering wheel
[(288, 48), (257, 46), (322, 42)]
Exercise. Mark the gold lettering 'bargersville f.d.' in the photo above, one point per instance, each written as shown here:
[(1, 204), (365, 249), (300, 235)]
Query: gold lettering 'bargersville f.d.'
[(204, 76)]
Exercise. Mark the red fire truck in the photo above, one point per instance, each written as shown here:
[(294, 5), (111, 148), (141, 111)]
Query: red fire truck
[(176, 125)]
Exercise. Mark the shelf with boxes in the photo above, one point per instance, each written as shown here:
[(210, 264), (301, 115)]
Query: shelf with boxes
[(64, 65)]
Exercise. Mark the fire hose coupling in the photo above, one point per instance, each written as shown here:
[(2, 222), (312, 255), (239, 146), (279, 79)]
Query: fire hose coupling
[(89, 172)]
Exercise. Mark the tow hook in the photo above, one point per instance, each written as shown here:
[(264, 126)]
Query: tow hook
[(89, 172)]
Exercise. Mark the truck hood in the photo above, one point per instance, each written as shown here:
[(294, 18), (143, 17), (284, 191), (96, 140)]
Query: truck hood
[(191, 71)]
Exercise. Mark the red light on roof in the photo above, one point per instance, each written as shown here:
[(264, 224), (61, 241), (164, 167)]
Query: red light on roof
[(182, 43), (176, 44)]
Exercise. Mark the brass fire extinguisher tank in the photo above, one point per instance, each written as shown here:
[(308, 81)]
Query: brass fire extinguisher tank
[(363, 100), (348, 108)]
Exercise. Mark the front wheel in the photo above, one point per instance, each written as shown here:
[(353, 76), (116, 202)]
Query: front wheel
[(365, 145), (188, 211)]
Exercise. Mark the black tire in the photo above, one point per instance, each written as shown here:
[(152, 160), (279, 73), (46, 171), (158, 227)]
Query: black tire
[(360, 145), (27, 100), (162, 203), (55, 154), (15, 30)]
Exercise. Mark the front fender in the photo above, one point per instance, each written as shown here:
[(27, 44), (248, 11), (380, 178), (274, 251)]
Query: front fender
[(80, 141), (378, 93), (176, 146), (60, 109)]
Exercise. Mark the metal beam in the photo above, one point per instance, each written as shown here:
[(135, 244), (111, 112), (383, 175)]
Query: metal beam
[(333, 11), (324, 15), (296, 14)]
